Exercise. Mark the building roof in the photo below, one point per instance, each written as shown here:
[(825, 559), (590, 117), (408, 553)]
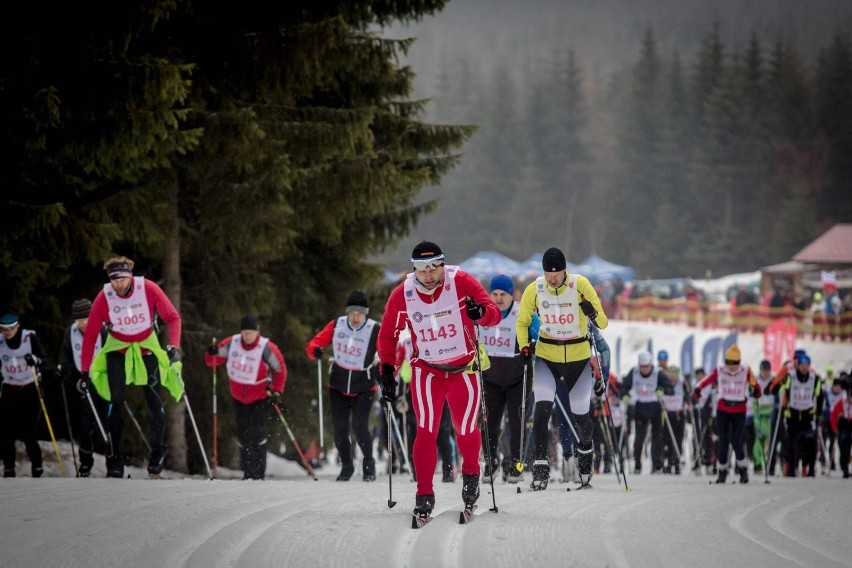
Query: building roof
[(832, 247)]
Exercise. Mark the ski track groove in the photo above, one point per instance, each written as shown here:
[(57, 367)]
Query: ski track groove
[(225, 542)]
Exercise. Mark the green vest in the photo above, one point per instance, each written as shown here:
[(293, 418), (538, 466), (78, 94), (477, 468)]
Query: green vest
[(134, 368)]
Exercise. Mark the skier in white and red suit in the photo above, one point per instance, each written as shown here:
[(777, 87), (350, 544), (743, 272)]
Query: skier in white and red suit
[(440, 305)]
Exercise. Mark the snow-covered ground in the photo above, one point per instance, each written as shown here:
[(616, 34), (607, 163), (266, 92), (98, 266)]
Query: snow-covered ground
[(292, 520)]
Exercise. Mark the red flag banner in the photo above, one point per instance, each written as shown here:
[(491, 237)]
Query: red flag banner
[(779, 342)]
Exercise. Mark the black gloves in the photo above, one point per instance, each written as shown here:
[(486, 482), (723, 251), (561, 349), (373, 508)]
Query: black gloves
[(526, 354), (600, 387), (213, 350), (696, 394), (474, 310), (173, 353), (588, 309), (756, 391), (387, 382), (317, 352), (30, 359)]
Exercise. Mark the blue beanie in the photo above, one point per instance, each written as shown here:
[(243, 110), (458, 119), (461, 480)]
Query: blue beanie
[(503, 282)]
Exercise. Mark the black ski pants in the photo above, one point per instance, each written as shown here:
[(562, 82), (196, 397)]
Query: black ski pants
[(354, 408), (730, 430), (648, 414), (499, 399), (115, 416), (252, 431), (20, 411)]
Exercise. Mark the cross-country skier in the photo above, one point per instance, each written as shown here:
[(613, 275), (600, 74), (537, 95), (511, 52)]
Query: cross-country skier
[(734, 379), (504, 381), (643, 385), (257, 375), (22, 354), (129, 305), (441, 305), (565, 303), (351, 385), (69, 371)]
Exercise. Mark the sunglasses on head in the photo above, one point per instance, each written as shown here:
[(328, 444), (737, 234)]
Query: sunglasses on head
[(428, 263)]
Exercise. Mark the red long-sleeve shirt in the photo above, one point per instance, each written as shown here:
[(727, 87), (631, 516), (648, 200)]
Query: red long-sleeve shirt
[(396, 318), (100, 315), (273, 365), (842, 409), (721, 405)]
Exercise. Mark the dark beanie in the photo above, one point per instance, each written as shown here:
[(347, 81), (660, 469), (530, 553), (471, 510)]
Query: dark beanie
[(249, 322), (553, 260), (81, 308), (425, 249), (357, 302)]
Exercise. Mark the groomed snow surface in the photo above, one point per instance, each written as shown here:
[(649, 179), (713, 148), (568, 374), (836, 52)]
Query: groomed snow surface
[(291, 520)]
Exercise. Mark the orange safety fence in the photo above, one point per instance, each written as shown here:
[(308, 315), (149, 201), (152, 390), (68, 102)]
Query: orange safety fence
[(753, 318)]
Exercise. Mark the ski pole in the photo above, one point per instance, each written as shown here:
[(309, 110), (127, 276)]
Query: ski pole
[(138, 427), (520, 465), (484, 411), (669, 426), (68, 421), (197, 435), (567, 417), (215, 421), (389, 413), (821, 449), (97, 418), (293, 439), (404, 449), (319, 398), (608, 411), (47, 419), (772, 445), (405, 436)]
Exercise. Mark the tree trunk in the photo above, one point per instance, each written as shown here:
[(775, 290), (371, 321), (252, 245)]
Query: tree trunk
[(175, 415)]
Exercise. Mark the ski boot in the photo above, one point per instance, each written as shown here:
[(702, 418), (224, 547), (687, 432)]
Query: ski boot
[(743, 471), (489, 470), (723, 476), (470, 489), (346, 472), (369, 469), (470, 493), (515, 473), (115, 467), (423, 505), (541, 475), (447, 473), (584, 468), (87, 460), (37, 471), (156, 461)]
